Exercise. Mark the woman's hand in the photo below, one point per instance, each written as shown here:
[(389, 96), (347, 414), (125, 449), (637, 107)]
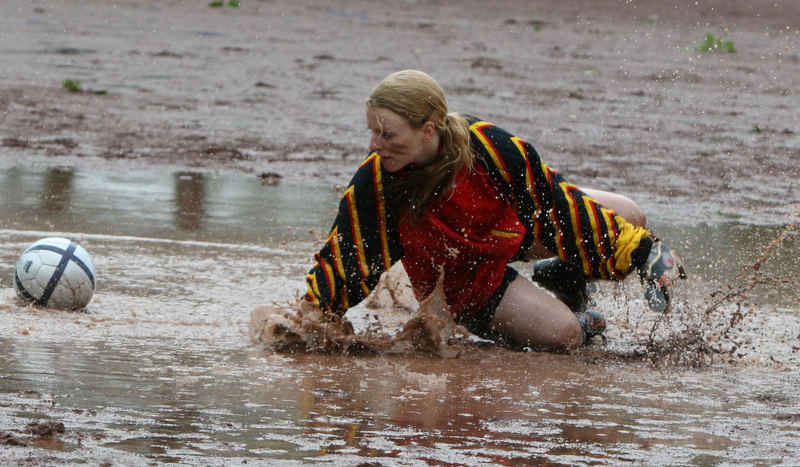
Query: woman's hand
[(658, 275)]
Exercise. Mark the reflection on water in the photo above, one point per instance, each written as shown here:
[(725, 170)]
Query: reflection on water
[(237, 209), (493, 406), (160, 368), (183, 205), (56, 191), (190, 200)]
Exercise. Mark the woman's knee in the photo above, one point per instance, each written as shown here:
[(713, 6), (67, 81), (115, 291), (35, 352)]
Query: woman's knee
[(529, 316)]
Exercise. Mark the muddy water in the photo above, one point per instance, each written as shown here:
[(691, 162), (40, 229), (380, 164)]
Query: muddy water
[(158, 204), (160, 367)]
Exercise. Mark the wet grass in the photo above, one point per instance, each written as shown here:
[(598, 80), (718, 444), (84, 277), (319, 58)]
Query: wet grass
[(712, 43), (220, 3), (73, 85)]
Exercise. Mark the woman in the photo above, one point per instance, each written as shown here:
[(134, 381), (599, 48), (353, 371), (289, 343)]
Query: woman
[(449, 193)]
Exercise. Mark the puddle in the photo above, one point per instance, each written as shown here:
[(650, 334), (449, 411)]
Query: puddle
[(153, 204), (160, 367)]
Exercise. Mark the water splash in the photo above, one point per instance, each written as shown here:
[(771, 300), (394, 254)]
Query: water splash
[(690, 335), (430, 331)]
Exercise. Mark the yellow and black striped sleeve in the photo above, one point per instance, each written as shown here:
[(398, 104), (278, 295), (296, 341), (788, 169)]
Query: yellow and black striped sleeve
[(362, 244), (556, 213)]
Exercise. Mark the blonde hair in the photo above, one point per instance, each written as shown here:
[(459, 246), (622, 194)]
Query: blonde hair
[(417, 97)]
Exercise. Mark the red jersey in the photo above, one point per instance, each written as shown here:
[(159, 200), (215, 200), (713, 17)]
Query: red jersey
[(471, 233)]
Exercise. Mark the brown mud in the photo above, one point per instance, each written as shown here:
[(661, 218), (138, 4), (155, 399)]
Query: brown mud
[(430, 329), (613, 94)]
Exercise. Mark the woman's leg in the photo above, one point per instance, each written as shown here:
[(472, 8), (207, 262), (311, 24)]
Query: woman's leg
[(620, 204), (529, 316)]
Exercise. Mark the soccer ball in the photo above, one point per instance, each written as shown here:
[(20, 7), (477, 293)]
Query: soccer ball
[(55, 272)]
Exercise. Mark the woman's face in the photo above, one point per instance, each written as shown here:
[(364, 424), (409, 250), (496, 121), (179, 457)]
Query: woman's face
[(394, 139)]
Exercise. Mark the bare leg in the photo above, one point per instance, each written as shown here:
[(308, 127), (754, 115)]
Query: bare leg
[(528, 315), (620, 204)]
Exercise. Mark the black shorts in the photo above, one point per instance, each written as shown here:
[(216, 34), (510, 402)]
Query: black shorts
[(480, 323)]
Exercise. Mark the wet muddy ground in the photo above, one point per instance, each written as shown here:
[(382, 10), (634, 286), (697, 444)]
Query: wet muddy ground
[(614, 94), (160, 367), (199, 165)]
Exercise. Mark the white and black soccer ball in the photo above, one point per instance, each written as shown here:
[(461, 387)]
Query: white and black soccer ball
[(55, 272)]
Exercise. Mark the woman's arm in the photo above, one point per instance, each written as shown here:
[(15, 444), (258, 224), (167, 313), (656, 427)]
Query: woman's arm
[(559, 215), (362, 244)]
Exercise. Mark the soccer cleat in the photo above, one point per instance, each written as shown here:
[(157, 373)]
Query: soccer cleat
[(569, 285), (592, 324), (566, 281)]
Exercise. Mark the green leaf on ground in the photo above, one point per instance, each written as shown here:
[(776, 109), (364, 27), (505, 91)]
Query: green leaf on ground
[(72, 85)]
